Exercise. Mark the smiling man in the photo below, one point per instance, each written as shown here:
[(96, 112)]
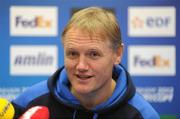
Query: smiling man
[(92, 84)]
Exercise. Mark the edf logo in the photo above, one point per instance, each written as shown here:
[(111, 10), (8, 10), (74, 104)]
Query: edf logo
[(158, 21), (38, 21), (152, 21)]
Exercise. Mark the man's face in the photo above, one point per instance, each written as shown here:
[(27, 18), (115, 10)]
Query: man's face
[(89, 62)]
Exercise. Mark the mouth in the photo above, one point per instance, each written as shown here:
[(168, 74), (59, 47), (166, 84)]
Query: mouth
[(83, 77)]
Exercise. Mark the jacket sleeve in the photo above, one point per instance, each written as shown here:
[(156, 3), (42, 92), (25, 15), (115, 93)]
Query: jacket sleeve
[(22, 101), (143, 107)]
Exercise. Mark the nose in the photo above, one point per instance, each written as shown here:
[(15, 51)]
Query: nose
[(82, 64)]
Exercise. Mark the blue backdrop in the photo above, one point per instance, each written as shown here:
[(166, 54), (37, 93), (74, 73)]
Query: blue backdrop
[(31, 50)]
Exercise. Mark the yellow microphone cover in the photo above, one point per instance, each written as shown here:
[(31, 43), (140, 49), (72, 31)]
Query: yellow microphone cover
[(6, 109)]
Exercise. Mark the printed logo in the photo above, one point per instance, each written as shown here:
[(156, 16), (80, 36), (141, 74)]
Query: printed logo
[(152, 21), (157, 94), (152, 60), (11, 93), (33, 21), (33, 60)]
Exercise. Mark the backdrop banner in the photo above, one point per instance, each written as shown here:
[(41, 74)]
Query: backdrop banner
[(31, 49)]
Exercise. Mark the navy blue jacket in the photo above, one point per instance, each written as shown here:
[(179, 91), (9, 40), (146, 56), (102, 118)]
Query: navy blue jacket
[(125, 102)]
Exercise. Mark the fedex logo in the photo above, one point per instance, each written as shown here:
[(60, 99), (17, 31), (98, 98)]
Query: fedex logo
[(152, 21), (33, 59), (38, 21), (33, 21), (152, 60)]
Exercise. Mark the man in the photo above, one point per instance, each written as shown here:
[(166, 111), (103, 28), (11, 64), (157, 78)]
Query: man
[(92, 85)]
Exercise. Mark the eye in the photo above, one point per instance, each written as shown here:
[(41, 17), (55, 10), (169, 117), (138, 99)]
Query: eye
[(72, 54), (94, 54)]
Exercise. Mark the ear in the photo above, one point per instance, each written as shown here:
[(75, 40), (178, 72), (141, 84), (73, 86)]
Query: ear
[(119, 53)]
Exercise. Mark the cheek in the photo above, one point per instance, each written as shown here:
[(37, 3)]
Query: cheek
[(69, 65), (104, 69), (68, 62), (103, 76)]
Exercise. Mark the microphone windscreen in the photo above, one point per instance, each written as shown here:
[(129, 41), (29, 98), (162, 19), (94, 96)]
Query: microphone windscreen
[(37, 112), (6, 109)]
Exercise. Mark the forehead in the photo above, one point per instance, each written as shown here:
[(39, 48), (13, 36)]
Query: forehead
[(84, 34), (83, 37)]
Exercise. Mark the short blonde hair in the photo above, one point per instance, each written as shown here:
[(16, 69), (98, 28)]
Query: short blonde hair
[(94, 19)]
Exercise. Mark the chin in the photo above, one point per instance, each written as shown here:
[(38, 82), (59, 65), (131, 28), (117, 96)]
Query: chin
[(82, 90)]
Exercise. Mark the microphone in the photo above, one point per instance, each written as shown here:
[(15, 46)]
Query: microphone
[(37, 112), (6, 109)]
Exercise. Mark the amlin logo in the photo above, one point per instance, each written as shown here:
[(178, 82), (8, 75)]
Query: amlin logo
[(33, 21), (152, 60), (152, 21), (33, 60)]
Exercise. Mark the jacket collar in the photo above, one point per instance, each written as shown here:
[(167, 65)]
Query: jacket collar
[(124, 90)]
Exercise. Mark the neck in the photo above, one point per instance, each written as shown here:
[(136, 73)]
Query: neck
[(91, 100)]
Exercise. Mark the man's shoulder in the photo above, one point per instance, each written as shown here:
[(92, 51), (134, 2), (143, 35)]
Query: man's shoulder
[(32, 93), (143, 107)]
